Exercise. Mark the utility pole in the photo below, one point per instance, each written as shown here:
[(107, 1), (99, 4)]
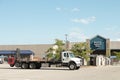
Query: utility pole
[(66, 37), (66, 41)]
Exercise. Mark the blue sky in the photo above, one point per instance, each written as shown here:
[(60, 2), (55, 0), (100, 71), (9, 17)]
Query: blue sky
[(42, 21)]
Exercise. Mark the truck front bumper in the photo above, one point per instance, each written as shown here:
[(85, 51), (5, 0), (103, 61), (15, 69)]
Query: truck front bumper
[(78, 64)]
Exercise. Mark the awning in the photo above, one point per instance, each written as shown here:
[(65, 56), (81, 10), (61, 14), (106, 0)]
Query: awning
[(9, 52)]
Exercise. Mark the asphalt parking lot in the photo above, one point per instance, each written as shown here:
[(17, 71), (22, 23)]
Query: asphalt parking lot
[(85, 73)]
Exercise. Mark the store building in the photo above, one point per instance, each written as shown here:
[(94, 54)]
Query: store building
[(102, 46)]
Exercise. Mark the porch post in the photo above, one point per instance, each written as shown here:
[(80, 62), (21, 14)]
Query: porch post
[(108, 48)]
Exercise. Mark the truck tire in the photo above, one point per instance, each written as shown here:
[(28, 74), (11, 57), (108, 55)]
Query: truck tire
[(24, 66), (17, 64), (32, 66), (38, 66), (72, 66), (49, 65), (11, 65)]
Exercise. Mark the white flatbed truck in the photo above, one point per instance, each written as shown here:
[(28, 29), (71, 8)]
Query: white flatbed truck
[(67, 59)]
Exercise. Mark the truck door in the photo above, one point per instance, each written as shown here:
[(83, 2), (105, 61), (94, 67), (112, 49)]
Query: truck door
[(65, 57)]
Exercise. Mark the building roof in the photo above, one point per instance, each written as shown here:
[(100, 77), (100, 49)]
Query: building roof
[(98, 36), (24, 52), (115, 45)]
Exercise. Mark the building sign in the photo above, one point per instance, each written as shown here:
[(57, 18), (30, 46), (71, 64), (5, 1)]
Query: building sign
[(98, 43)]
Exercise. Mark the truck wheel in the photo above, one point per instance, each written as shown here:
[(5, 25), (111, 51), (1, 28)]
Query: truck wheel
[(49, 65), (72, 66), (24, 66), (11, 65), (38, 66), (17, 64), (32, 65)]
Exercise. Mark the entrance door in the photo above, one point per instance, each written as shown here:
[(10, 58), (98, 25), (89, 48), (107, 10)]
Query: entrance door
[(93, 61), (65, 58)]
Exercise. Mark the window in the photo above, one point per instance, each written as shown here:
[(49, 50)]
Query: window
[(65, 54), (72, 55)]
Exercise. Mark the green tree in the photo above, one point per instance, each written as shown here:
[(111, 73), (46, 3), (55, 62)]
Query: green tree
[(50, 50), (82, 50), (49, 53), (117, 54), (60, 45), (60, 48)]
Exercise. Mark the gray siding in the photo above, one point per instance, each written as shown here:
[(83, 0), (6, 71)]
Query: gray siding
[(115, 45), (37, 49)]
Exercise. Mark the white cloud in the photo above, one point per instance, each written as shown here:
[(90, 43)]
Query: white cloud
[(85, 21), (111, 28), (75, 10), (77, 35), (67, 10), (58, 9)]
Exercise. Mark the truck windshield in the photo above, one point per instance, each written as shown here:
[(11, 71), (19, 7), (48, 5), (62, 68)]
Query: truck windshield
[(72, 55)]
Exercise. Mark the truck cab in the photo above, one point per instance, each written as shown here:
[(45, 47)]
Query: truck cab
[(68, 59)]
